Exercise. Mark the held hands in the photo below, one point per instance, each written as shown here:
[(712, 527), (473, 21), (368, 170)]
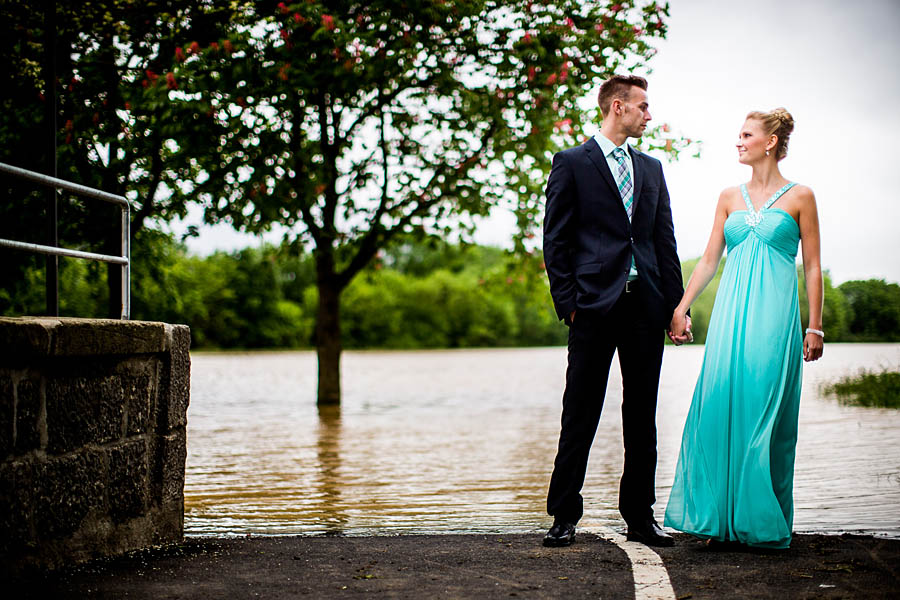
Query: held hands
[(813, 346), (680, 329)]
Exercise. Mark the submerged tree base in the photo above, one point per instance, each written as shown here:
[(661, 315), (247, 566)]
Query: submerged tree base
[(867, 389)]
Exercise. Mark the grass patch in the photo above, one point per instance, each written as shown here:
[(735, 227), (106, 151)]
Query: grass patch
[(867, 388)]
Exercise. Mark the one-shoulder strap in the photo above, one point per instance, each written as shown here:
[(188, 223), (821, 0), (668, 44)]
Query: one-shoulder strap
[(778, 195), (746, 196)]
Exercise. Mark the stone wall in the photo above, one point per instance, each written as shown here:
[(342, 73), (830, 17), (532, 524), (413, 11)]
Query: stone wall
[(92, 438)]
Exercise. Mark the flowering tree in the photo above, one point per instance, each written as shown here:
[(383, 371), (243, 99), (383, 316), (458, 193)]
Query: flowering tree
[(353, 123)]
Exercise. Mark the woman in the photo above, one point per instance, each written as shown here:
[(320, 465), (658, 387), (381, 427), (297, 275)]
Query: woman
[(735, 470)]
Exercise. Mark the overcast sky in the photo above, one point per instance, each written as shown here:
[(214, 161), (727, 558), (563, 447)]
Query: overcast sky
[(833, 64)]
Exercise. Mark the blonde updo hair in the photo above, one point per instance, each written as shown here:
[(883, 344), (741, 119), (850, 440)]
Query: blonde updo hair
[(777, 122)]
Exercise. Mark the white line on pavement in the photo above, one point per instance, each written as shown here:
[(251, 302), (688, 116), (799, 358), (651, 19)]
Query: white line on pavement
[(651, 580)]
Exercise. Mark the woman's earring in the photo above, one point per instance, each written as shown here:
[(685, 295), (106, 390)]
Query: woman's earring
[(767, 152)]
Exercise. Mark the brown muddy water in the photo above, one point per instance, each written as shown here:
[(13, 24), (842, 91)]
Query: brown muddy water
[(463, 441)]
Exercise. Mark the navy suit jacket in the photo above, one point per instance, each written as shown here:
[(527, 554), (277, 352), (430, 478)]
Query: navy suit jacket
[(589, 242)]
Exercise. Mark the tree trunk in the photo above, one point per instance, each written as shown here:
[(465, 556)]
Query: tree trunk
[(328, 337)]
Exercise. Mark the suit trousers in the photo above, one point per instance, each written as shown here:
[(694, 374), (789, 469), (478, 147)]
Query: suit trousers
[(593, 339)]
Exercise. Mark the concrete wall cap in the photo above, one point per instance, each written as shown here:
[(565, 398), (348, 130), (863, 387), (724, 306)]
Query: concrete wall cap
[(69, 336)]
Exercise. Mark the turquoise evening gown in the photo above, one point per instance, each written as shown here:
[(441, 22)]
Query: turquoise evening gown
[(734, 478)]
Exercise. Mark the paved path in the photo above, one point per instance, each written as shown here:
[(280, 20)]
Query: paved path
[(599, 565)]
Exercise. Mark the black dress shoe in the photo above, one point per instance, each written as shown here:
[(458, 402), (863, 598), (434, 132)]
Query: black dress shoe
[(561, 534), (649, 533)]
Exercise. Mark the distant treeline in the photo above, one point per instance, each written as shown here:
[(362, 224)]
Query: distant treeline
[(418, 295)]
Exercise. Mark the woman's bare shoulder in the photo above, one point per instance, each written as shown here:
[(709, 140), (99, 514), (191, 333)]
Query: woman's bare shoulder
[(804, 193), (729, 195)]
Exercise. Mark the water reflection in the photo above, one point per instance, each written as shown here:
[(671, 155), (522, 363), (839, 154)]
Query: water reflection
[(463, 441), (328, 454)]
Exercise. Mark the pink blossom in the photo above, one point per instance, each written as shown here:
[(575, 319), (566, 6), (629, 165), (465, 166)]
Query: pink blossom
[(328, 22), (179, 54)]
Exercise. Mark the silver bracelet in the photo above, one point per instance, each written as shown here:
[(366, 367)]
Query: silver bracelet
[(818, 332)]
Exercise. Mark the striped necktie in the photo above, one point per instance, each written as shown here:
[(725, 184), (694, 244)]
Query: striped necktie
[(623, 180)]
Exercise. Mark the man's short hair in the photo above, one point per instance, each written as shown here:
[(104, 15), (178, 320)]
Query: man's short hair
[(618, 87)]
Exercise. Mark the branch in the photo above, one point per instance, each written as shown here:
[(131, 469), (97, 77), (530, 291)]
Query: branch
[(137, 221), (300, 168), (370, 242), (384, 100), (329, 155), (359, 170), (369, 245)]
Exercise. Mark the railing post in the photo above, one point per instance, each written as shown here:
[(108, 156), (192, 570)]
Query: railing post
[(126, 268)]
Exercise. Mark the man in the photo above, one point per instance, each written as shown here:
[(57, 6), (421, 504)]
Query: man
[(615, 278)]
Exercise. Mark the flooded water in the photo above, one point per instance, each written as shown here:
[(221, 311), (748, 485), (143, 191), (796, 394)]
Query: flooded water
[(464, 441)]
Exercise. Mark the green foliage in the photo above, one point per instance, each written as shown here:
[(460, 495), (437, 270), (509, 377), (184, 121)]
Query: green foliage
[(428, 294), (701, 310), (436, 295), (868, 388), (871, 296), (874, 310), (835, 312), (479, 297)]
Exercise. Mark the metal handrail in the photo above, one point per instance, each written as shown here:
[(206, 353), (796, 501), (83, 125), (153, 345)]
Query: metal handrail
[(88, 192)]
